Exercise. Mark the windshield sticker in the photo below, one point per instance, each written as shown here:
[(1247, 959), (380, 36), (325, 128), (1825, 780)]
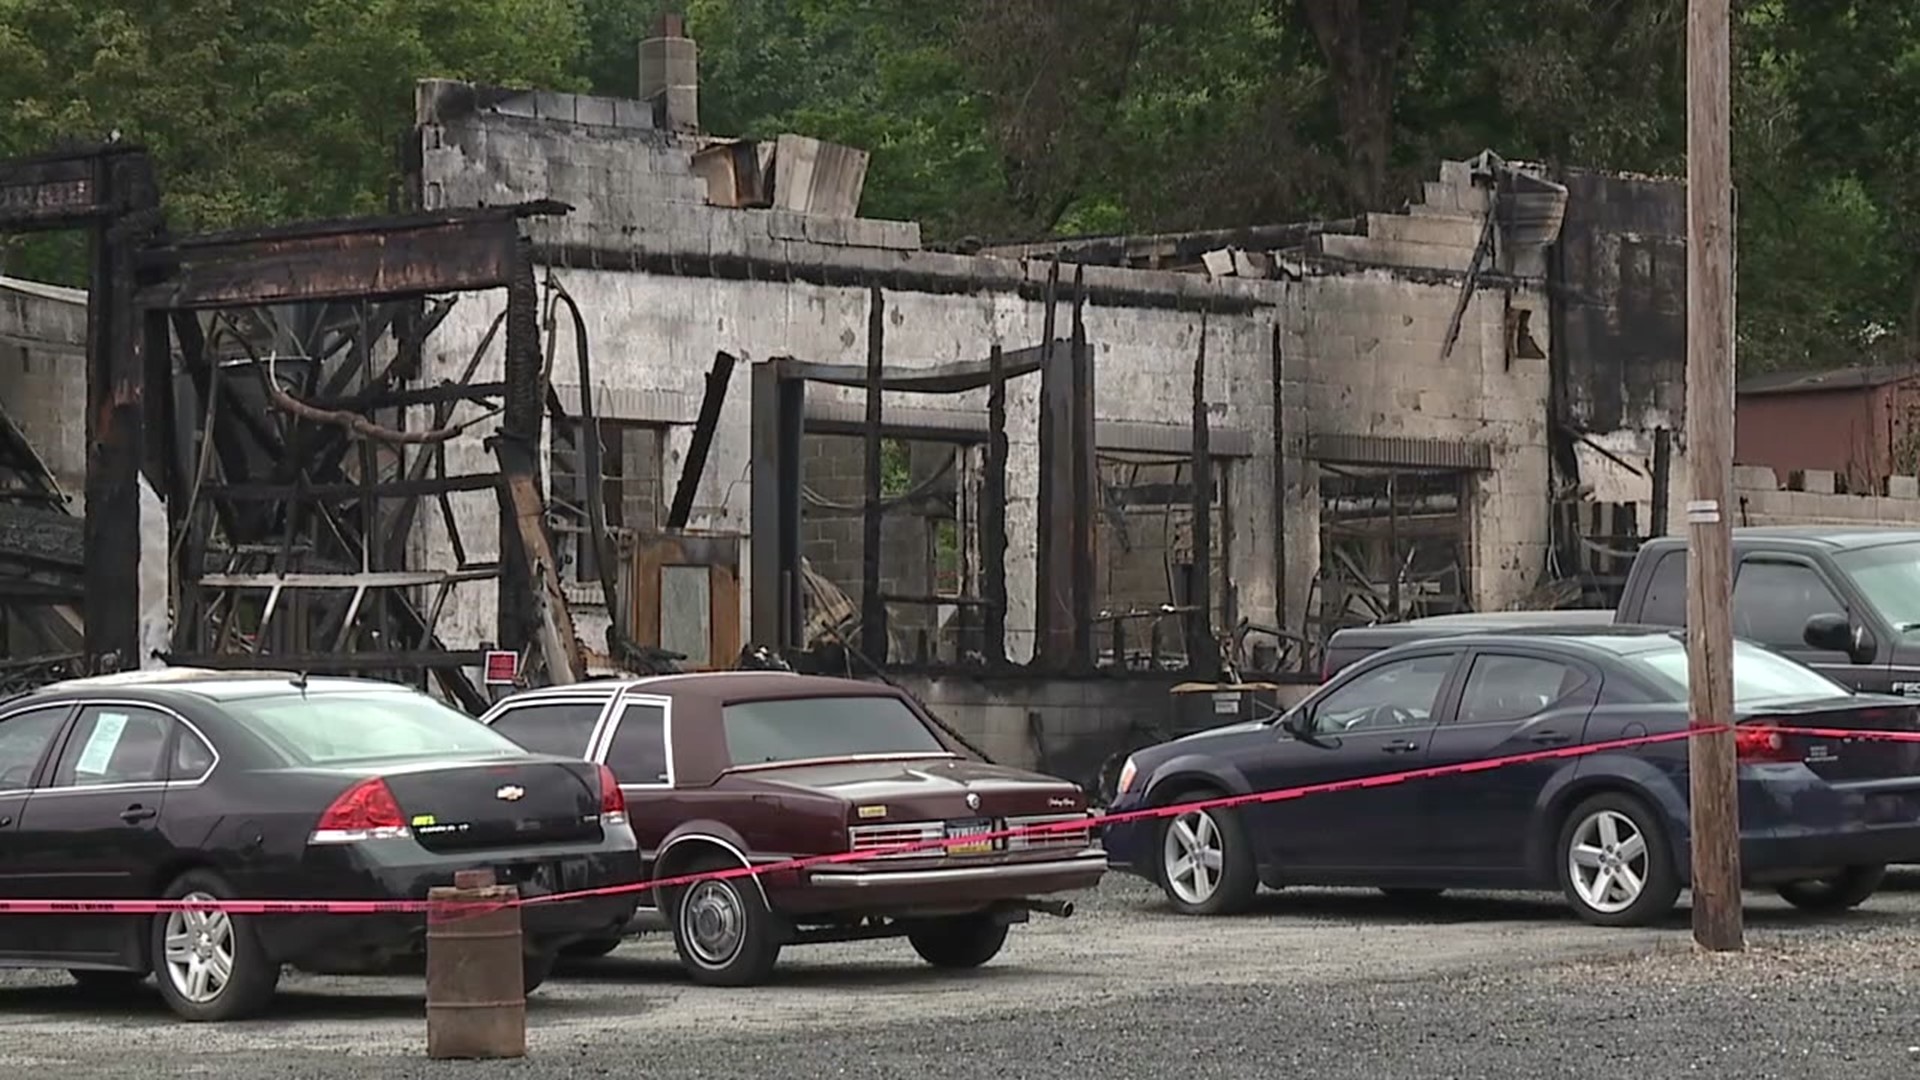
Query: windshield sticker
[(98, 753)]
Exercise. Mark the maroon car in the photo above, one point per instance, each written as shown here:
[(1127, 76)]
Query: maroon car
[(750, 768)]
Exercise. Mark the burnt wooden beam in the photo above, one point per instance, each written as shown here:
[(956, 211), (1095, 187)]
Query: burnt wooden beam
[(1054, 609), (873, 609), (1203, 658), (702, 444), (351, 260), (516, 446), (348, 489), (993, 513), (1279, 485), (117, 414), (779, 405), (329, 662), (1662, 480), (951, 378), (1085, 478)]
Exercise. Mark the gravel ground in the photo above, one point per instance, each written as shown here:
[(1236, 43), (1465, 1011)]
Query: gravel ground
[(1317, 983)]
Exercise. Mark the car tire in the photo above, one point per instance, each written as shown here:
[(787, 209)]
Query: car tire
[(965, 941), (591, 948), (535, 967), (722, 928), (1848, 889), (1411, 896), (1211, 835), (95, 981), (1606, 845), (202, 946)]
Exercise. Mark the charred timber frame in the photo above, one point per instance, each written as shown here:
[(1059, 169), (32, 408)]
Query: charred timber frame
[(779, 422), (110, 192), (289, 463), (383, 271)]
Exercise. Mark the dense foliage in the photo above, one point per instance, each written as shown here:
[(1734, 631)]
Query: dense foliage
[(997, 119)]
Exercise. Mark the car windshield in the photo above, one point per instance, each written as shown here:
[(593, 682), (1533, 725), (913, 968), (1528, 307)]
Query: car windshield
[(807, 729), (337, 727), (1889, 577), (1759, 675)]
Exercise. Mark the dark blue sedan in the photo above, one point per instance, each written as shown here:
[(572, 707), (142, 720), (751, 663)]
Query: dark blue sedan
[(1820, 818)]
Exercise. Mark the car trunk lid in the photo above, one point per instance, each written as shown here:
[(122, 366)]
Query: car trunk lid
[(453, 807), (1817, 734), (928, 801)]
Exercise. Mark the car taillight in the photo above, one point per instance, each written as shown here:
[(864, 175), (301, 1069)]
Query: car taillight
[(1761, 745), (613, 804), (366, 811)]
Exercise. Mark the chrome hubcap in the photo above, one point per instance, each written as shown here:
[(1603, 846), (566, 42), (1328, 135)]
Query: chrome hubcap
[(713, 922), (1608, 861), (1194, 854), (199, 951)]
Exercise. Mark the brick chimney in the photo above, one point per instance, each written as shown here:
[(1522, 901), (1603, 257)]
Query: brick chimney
[(670, 75)]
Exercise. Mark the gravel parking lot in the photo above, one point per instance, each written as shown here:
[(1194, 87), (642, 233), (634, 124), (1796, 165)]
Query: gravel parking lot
[(1313, 983)]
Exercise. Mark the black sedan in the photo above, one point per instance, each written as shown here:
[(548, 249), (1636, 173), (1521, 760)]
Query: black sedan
[(265, 786), (1820, 817)]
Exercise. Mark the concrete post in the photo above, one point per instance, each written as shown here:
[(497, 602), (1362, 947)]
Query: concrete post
[(476, 994)]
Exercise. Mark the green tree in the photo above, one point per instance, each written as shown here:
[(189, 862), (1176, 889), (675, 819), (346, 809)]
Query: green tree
[(259, 110)]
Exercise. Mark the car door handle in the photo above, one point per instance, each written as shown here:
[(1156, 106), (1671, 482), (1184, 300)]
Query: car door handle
[(1550, 738), (1401, 747), (135, 814)]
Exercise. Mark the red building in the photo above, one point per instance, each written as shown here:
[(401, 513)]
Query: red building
[(1861, 423)]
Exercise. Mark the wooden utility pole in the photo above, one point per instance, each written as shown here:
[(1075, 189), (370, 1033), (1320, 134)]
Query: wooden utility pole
[(1717, 918)]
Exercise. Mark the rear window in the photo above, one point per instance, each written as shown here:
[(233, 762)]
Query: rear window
[(802, 729), (332, 728), (1759, 675)]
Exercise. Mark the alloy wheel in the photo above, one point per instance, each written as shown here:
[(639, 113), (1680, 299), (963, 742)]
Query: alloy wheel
[(1608, 861), (199, 951), (1195, 856)]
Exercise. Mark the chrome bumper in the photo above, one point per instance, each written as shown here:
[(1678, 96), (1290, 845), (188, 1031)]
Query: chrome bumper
[(1091, 859)]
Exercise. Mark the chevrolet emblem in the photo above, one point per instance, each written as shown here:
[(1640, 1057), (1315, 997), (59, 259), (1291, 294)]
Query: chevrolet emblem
[(510, 793)]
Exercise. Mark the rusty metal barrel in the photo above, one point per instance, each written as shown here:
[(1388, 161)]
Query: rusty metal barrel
[(476, 997)]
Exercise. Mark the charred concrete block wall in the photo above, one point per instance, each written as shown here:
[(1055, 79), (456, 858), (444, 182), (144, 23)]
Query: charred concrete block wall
[(1366, 354), (833, 472), (665, 283), (43, 376), (1619, 352)]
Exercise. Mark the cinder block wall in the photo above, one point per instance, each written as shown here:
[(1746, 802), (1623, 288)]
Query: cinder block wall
[(1808, 497)]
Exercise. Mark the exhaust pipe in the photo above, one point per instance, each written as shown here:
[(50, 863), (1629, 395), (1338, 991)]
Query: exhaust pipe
[(1061, 909)]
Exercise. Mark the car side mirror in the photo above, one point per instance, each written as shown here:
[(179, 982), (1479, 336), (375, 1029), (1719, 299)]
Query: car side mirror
[(1834, 632), (1297, 723)]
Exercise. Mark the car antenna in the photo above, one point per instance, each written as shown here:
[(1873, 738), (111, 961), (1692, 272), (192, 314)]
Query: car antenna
[(299, 680)]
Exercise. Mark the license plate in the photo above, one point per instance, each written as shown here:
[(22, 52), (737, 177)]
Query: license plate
[(958, 829), (539, 876)]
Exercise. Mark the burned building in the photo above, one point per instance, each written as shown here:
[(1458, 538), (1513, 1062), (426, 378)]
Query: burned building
[(614, 382), (1445, 408)]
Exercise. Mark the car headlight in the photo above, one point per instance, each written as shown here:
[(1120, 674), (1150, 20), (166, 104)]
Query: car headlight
[(1126, 777)]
